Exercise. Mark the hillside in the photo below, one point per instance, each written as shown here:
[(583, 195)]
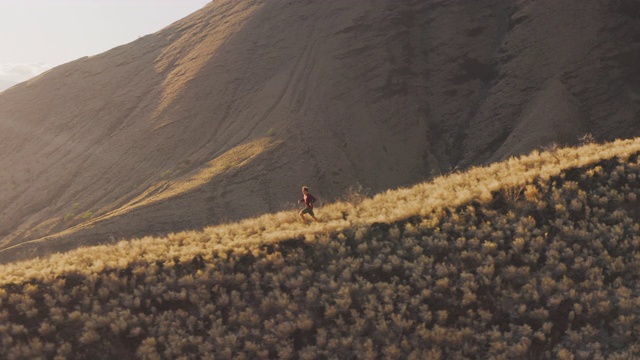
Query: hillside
[(533, 257), (224, 114)]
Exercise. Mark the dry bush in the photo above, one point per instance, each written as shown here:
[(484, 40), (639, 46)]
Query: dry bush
[(439, 270)]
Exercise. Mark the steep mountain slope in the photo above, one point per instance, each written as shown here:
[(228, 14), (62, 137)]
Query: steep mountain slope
[(225, 113), (528, 258)]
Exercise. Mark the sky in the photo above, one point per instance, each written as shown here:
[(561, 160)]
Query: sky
[(36, 35)]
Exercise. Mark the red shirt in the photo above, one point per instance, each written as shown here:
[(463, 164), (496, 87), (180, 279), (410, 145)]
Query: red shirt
[(309, 200)]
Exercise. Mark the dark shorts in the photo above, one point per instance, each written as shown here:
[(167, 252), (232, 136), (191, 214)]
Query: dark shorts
[(307, 210)]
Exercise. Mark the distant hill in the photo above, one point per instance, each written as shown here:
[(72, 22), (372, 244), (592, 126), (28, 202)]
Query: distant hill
[(226, 113), (5, 84), (530, 258)]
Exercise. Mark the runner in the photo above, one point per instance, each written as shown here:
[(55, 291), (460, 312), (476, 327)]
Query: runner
[(308, 200)]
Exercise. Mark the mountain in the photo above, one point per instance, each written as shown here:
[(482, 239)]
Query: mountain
[(5, 84), (226, 113), (529, 258)]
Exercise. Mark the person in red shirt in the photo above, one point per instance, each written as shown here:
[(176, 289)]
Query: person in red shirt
[(308, 200)]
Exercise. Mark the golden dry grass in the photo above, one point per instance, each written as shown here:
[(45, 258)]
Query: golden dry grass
[(535, 257)]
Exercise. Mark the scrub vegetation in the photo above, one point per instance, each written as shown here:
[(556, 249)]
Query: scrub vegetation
[(533, 257)]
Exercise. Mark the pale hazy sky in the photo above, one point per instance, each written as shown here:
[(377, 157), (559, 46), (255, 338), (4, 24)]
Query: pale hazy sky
[(39, 34)]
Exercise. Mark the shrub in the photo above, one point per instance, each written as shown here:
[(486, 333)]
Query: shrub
[(434, 271)]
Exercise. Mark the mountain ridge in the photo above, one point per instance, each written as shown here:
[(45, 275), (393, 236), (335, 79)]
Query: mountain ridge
[(383, 95)]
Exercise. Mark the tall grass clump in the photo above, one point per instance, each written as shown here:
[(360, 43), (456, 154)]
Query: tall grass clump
[(461, 267)]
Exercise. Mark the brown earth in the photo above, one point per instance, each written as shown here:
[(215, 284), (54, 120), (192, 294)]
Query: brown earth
[(226, 113)]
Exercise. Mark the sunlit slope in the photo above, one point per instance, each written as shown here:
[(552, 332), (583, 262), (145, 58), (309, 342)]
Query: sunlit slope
[(530, 258), (154, 207), (381, 93), (95, 137)]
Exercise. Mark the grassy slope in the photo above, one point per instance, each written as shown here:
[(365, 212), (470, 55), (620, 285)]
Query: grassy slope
[(533, 257)]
